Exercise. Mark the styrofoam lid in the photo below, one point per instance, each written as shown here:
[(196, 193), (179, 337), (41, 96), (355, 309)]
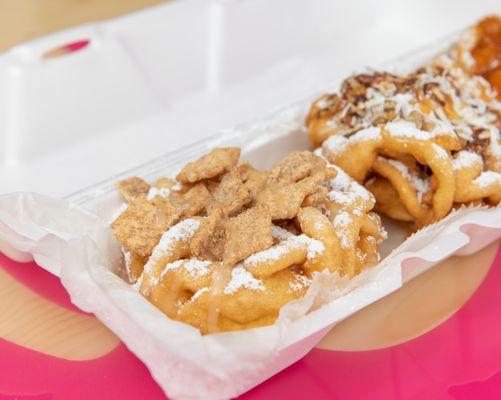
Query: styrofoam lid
[(154, 81)]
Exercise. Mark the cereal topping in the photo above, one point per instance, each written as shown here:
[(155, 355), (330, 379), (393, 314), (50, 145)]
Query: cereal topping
[(226, 246), (132, 188), (247, 233), (139, 227), (215, 163)]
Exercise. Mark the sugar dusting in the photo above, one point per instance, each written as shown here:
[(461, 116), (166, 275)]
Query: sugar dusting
[(421, 186), (300, 282), (183, 231), (342, 223), (488, 178), (288, 244), (193, 266), (406, 129), (336, 144), (466, 159), (243, 279), (199, 293), (345, 190)]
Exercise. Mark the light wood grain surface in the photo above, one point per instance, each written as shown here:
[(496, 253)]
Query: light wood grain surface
[(22, 20)]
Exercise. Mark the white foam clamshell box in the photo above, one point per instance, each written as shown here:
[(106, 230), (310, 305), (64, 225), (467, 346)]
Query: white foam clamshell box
[(70, 237)]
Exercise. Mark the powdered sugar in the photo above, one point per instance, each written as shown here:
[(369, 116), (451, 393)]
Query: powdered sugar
[(342, 222), (440, 152), (488, 178), (273, 253), (314, 247), (242, 279), (292, 242), (420, 185), (465, 159), (371, 133), (193, 266), (300, 282), (280, 233), (406, 129), (335, 144), (345, 190), (183, 231), (199, 293)]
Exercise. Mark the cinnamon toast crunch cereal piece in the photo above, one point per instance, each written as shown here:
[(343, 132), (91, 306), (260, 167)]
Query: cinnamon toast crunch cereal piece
[(284, 199), (132, 188), (217, 162), (193, 201), (208, 241), (139, 227), (231, 194), (295, 166), (254, 180), (247, 233)]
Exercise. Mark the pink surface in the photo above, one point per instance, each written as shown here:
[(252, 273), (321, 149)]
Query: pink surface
[(460, 359)]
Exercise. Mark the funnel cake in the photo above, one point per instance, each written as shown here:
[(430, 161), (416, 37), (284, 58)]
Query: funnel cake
[(422, 143), (225, 246), (479, 51)]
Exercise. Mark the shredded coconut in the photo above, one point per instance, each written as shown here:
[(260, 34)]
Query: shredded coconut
[(241, 278), (495, 146)]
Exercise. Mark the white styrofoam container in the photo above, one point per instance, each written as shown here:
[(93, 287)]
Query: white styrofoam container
[(154, 81)]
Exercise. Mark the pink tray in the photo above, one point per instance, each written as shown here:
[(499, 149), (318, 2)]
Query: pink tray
[(459, 359)]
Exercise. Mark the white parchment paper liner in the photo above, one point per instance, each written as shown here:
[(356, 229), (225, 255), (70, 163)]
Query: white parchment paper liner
[(77, 246)]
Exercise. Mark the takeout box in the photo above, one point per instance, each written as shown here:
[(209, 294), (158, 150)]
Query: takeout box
[(70, 238)]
